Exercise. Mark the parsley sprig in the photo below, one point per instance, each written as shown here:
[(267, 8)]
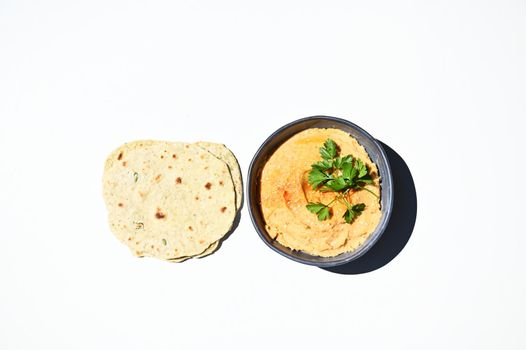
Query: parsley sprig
[(338, 174)]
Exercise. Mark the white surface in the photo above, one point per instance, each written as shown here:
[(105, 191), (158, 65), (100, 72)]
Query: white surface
[(442, 83)]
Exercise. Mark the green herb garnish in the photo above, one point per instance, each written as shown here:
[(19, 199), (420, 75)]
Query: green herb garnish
[(353, 211), (320, 209), (329, 150), (135, 177), (340, 175)]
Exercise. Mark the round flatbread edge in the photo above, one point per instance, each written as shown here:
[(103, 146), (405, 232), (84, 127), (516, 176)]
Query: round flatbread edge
[(226, 155)]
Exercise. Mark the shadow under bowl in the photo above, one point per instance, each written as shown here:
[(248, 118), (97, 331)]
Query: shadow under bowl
[(265, 151)]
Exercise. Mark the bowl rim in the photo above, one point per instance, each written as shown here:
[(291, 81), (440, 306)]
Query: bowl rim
[(369, 243)]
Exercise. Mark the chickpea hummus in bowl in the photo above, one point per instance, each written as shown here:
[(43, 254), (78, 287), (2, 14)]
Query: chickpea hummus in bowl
[(320, 191)]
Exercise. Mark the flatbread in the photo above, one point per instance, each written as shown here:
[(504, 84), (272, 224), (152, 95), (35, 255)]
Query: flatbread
[(222, 152), (168, 200), (213, 247)]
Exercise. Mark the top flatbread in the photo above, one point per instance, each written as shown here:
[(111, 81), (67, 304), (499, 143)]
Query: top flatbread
[(167, 199), (222, 152)]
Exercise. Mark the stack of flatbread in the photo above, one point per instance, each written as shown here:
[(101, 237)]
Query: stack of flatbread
[(172, 200)]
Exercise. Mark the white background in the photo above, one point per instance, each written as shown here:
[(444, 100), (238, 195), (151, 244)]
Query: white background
[(442, 83)]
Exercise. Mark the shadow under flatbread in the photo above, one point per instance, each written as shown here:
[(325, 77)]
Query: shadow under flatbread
[(400, 226)]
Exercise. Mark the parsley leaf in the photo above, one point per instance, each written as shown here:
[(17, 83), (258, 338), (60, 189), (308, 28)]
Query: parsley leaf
[(315, 207), (337, 163), (318, 178), (329, 150), (340, 162), (320, 209), (323, 165), (347, 159), (360, 166), (352, 212), (336, 184), (348, 172), (324, 214)]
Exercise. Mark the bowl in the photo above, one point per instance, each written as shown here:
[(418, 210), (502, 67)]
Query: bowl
[(377, 155)]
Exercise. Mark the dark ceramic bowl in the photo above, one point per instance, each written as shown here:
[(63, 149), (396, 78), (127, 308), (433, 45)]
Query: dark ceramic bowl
[(377, 155)]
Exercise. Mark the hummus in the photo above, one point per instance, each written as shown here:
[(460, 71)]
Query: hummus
[(285, 192)]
